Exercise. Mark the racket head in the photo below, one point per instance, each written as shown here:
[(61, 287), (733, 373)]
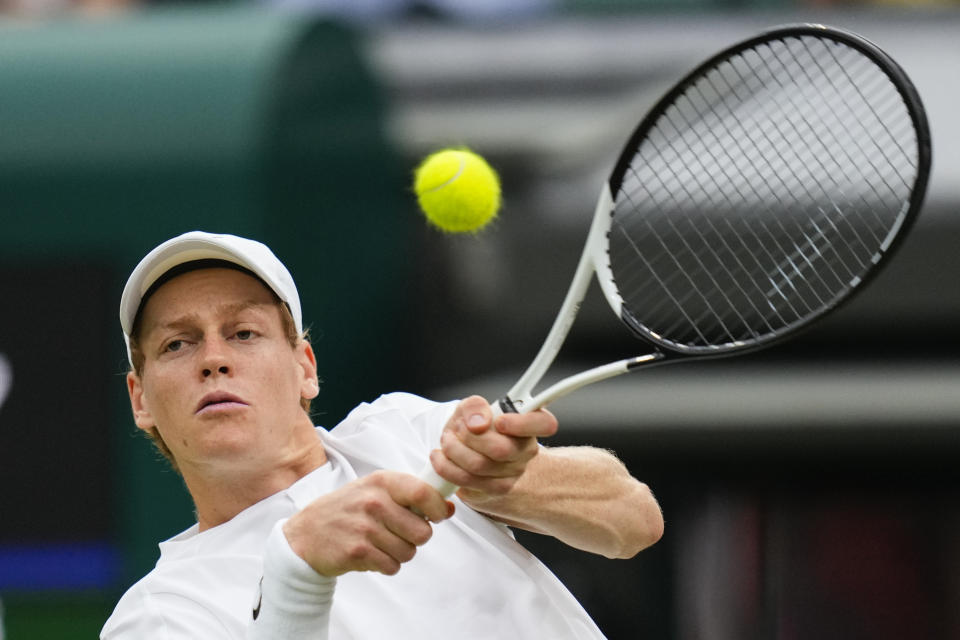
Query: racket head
[(763, 190)]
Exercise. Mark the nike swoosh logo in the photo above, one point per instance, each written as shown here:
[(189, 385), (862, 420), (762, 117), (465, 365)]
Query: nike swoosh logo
[(256, 609)]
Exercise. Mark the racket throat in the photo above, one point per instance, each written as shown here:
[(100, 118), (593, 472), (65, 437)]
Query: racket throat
[(592, 261), (506, 405), (568, 385), (639, 361)]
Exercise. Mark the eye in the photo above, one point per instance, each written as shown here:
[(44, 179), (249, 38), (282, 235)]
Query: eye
[(244, 334), (174, 345)]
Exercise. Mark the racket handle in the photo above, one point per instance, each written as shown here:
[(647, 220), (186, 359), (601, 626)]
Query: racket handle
[(428, 475), (432, 478)]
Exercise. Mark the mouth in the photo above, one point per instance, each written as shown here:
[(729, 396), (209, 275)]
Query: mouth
[(219, 401)]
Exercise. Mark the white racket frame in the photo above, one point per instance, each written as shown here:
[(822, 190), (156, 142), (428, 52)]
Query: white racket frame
[(594, 260)]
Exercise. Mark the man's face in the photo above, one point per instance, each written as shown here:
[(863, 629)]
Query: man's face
[(220, 380)]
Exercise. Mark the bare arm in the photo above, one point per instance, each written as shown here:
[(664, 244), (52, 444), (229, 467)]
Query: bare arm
[(582, 496)]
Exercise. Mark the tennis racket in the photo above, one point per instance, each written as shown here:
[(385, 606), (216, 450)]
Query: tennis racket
[(760, 193)]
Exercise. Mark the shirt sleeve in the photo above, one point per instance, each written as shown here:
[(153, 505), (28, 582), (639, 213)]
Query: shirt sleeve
[(294, 600), (144, 615), (397, 431)]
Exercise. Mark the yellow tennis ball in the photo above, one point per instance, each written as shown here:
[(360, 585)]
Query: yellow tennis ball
[(457, 190)]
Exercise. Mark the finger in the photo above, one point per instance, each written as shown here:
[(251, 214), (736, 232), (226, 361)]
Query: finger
[(489, 455), (408, 526), (415, 495), (474, 414), (538, 424), (391, 550), (391, 532), (466, 480), (367, 555), (497, 446)]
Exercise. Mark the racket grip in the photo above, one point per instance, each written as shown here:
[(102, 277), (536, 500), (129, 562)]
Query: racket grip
[(432, 478), (428, 475)]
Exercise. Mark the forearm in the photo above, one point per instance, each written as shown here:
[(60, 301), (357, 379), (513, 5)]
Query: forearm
[(583, 496)]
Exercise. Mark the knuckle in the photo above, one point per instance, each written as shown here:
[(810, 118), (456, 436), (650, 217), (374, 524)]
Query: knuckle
[(421, 493), (365, 532), (377, 478), (357, 551), (371, 505)]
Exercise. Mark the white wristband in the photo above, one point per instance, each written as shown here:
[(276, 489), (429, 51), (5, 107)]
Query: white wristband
[(294, 599)]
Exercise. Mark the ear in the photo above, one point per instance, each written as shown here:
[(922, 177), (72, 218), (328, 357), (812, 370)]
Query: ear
[(141, 412), (310, 385)]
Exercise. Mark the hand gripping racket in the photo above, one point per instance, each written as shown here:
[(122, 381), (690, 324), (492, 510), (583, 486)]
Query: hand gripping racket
[(761, 192)]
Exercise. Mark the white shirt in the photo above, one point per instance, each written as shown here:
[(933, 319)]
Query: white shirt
[(470, 580)]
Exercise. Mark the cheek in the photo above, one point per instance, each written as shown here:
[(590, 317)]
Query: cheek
[(164, 397), (293, 382)]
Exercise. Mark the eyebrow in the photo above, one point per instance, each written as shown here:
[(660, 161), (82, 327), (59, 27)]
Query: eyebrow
[(223, 309)]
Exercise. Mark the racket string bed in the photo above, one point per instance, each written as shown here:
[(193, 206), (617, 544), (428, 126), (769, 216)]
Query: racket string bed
[(762, 193)]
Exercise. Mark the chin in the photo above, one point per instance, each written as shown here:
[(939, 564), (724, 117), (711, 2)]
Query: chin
[(230, 442)]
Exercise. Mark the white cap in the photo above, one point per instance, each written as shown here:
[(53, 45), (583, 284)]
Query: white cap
[(199, 245)]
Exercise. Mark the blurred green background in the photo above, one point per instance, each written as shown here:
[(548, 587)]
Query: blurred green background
[(119, 132)]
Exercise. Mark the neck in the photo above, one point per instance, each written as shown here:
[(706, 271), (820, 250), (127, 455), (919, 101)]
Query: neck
[(221, 491)]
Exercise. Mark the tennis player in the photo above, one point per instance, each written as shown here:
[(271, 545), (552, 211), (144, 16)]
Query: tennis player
[(307, 533)]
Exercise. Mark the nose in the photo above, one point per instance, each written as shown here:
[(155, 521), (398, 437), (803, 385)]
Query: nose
[(224, 369), (215, 359)]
